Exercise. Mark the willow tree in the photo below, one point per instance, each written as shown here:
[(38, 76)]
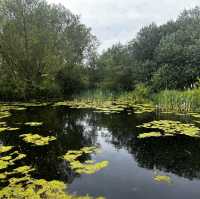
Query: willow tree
[(38, 41)]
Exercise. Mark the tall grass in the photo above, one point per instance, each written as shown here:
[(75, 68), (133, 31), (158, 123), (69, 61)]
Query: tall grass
[(181, 101), (139, 95)]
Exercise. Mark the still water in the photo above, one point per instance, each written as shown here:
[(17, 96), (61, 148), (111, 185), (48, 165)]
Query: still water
[(133, 162)]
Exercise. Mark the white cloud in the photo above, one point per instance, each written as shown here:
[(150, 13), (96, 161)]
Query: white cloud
[(119, 20)]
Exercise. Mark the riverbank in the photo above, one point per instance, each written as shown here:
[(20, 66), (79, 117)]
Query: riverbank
[(165, 101)]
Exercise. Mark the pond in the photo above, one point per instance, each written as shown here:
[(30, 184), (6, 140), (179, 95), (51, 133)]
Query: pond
[(166, 166)]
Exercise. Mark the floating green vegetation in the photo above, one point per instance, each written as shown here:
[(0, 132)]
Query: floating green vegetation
[(23, 186), (38, 189), (88, 167), (37, 139), (165, 179), (33, 123), (150, 134), (23, 170), (143, 108), (170, 128), (4, 114), (195, 115), (4, 127), (108, 106), (9, 160), (5, 149)]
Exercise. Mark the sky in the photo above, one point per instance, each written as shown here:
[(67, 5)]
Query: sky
[(114, 21)]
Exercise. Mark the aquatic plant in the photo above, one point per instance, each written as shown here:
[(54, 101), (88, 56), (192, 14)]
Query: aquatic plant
[(5, 149), (23, 186), (170, 128), (38, 189), (88, 167), (108, 106), (6, 161), (165, 179), (178, 101), (195, 115), (4, 114), (33, 123), (4, 127), (150, 134), (143, 108), (37, 139)]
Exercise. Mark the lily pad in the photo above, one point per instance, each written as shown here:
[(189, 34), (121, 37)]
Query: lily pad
[(33, 123), (171, 128), (37, 139), (89, 166), (165, 179)]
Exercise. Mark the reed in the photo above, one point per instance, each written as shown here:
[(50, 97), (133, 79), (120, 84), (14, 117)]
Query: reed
[(180, 101)]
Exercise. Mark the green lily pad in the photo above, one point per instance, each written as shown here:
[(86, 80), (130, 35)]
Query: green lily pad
[(37, 139)]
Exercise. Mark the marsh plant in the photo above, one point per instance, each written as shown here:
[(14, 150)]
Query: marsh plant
[(179, 101)]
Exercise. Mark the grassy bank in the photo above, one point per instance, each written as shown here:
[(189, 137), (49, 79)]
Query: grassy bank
[(179, 101)]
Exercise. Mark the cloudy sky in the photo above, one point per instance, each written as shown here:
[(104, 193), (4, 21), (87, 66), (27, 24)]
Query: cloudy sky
[(119, 20)]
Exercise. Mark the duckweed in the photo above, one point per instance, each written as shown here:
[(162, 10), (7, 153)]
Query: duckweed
[(37, 139), (88, 167), (171, 128)]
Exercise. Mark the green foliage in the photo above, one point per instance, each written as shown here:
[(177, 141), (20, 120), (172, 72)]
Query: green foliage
[(163, 57), (181, 101), (37, 43)]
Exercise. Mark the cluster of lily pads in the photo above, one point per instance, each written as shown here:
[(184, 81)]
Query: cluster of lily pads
[(107, 107), (22, 185), (8, 160), (88, 167), (37, 139), (169, 128)]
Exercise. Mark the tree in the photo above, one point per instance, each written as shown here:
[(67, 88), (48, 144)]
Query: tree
[(37, 41)]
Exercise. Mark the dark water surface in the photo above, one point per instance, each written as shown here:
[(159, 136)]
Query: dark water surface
[(133, 162)]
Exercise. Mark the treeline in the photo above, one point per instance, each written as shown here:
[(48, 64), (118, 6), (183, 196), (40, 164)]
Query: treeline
[(161, 57), (46, 52)]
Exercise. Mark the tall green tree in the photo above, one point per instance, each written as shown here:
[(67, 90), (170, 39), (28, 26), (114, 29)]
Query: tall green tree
[(37, 42)]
